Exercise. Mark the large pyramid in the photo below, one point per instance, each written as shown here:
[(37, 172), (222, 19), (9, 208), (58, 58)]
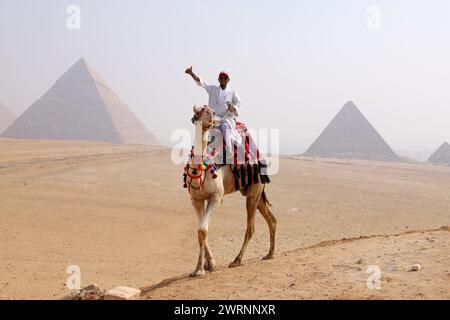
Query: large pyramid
[(80, 106), (6, 117), (350, 135), (441, 155)]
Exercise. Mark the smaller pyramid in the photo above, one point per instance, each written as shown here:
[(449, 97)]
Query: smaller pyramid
[(351, 136), (7, 118), (441, 155)]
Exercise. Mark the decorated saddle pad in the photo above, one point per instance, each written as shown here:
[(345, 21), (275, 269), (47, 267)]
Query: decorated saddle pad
[(248, 167), (244, 153)]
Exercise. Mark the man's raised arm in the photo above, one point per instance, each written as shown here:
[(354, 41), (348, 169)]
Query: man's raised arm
[(192, 74), (197, 80)]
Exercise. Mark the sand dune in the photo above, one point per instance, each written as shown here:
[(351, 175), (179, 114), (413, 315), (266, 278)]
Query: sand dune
[(121, 214)]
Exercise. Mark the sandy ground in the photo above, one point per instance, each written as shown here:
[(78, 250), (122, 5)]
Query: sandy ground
[(120, 213), (342, 269)]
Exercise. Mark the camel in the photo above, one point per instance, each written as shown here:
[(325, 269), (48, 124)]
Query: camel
[(211, 193)]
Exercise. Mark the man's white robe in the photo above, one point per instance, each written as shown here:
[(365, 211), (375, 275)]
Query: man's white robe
[(218, 99)]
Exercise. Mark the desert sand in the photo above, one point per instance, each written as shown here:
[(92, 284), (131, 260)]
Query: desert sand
[(330, 270), (120, 213)]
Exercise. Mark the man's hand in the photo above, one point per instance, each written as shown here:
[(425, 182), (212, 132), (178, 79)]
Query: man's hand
[(192, 74), (230, 107)]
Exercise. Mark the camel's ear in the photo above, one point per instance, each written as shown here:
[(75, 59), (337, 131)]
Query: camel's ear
[(197, 108)]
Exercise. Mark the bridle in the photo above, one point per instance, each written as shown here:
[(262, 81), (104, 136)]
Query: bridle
[(198, 115)]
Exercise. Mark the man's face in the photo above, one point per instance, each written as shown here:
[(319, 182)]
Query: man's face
[(223, 80)]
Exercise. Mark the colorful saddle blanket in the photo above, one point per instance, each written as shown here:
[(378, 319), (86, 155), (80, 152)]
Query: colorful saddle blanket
[(248, 167), (246, 152)]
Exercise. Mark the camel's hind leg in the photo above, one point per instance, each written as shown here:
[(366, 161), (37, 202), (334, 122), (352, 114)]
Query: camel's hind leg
[(263, 207), (253, 197)]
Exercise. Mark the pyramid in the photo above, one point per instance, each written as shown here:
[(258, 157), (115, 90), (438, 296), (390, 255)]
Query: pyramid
[(80, 106), (6, 117), (441, 155), (350, 135)]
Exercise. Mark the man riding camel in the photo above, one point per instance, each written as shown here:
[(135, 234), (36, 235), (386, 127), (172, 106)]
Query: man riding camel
[(226, 104), (208, 181)]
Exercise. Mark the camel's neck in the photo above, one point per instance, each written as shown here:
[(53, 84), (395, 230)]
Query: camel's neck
[(200, 144)]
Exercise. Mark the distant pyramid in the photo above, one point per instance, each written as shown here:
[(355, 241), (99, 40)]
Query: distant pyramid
[(441, 155), (6, 117), (80, 106), (350, 135)]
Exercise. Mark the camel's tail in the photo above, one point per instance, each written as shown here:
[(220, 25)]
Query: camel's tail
[(264, 197)]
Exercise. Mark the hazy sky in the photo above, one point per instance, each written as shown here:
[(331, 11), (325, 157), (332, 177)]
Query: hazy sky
[(294, 63)]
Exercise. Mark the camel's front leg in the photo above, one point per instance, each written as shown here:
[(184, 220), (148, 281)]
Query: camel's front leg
[(199, 206), (212, 204), (205, 258)]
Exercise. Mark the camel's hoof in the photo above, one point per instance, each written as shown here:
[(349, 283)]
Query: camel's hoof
[(210, 265), (268, 257), (234, 264), (197, 273)]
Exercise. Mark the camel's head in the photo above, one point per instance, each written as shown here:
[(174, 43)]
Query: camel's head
[(205, 114)]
